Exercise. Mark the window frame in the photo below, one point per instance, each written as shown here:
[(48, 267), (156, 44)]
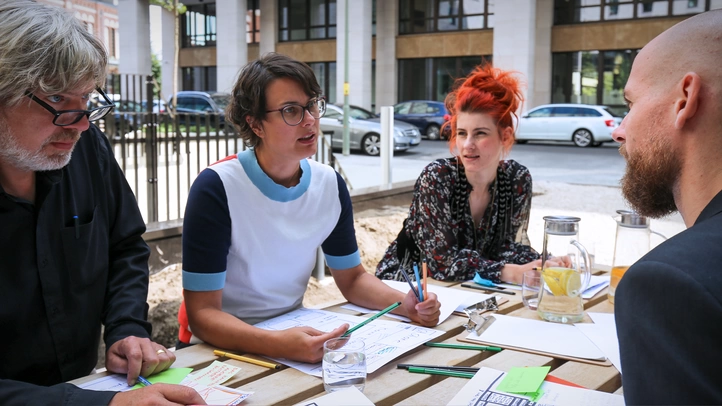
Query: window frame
[(328, 25), (567, 13), (434, 19)]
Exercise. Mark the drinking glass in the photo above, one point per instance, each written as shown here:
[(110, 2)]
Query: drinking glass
[(344, 364), (530, 289)]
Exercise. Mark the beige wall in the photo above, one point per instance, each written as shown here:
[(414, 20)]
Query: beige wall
[(470, 43), (205, 56), (309, 51), (609, 35)]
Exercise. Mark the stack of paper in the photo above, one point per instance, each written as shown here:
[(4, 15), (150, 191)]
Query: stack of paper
[(540, 336), (596, 284)]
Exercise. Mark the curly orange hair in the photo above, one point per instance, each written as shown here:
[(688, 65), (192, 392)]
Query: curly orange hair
[(486, 90)]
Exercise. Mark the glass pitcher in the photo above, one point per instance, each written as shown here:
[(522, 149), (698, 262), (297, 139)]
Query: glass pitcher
[(560, 293), (631, 243)]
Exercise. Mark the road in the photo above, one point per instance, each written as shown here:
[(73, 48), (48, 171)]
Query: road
[(555, 162)]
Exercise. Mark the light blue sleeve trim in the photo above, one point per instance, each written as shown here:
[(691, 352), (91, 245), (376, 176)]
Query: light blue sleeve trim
[(203, 282), (344, 262)]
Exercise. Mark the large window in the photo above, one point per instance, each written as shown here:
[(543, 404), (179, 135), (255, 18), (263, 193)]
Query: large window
[(253, 22), (198, 26), (591, 77), (433, 78), (418, 16), (201, 78), (580, 11), (301, 20), (326, 77)]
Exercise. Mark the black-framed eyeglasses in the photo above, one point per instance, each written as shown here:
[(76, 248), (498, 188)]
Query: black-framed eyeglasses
[(294, 113), (70, 117)]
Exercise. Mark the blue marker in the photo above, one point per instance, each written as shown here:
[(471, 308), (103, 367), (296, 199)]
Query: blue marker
[(418, 282), (485, 282), (144, 381)]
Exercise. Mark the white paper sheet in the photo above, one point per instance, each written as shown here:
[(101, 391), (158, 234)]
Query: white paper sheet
[(221, 395), (603, 333), (212, 375), (596, 283), (364, 310), (537, 335), (384, 340), (113, 383), (345, 397), (481, 391)]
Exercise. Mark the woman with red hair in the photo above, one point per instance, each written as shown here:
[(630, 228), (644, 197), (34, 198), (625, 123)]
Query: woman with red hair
[(470, 213)]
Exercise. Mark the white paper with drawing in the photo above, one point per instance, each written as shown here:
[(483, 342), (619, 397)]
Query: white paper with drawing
[(539, 335), (385, 340), (481, 391)]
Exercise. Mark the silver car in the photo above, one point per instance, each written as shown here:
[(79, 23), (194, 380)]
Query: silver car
[(365, 130)]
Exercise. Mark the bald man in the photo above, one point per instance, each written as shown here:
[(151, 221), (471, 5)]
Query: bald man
[(669, 304)]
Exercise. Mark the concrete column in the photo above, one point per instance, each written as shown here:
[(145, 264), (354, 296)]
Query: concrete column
[(522, 42), (269, 26), (232, 49), (134, 35), (387, 23), (167, 24), (359, 19)]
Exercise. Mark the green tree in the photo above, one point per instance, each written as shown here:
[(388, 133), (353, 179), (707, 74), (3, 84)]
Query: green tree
[(155, 71), (177, 9)]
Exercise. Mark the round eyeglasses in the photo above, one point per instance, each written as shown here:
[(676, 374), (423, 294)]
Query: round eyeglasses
[(294, 113), (70, 117)]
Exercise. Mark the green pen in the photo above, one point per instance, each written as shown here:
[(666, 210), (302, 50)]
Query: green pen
[(463, 346), (370, 319), (433, 371)]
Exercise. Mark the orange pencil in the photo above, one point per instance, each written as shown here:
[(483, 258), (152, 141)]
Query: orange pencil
[(424, 272)]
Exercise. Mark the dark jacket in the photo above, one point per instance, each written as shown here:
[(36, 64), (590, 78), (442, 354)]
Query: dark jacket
[(668, 309), (61, 279)]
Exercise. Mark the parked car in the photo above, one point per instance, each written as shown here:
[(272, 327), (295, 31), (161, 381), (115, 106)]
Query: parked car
[(583, 124), (191, 104), (365, 130), (158, 106), (425, 114)]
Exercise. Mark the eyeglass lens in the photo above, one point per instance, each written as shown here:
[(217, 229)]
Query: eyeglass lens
[(293, 114), (72, 117)]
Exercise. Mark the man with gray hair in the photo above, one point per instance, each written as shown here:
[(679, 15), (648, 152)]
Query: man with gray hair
[(71, 252), (668, 305)]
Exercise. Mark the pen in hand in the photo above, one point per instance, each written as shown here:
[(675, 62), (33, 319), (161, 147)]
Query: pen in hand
[(143, 381)]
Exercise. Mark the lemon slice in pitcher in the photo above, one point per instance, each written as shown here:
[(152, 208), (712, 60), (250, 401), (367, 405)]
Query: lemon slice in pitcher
[(562, 281)]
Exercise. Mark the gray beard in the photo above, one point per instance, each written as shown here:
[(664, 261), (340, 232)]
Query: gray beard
[(30, 161)]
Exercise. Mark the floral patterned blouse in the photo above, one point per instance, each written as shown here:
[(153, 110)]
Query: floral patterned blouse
[(441, 230)]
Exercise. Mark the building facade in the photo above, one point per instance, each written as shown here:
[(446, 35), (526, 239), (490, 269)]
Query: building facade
[(568, 51), (101, 19)]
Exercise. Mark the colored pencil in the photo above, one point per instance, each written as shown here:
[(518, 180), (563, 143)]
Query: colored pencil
[(246, 359), (370, 319), (463, 346)]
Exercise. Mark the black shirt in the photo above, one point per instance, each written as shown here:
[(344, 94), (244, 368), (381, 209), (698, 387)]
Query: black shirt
[(61, 279)]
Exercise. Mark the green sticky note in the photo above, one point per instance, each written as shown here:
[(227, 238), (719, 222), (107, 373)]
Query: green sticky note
[(172, 375), (523, 380)]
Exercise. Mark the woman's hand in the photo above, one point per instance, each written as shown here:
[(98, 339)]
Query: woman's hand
[(425, 313)]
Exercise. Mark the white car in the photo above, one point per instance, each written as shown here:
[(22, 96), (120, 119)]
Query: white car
[(583, 124)]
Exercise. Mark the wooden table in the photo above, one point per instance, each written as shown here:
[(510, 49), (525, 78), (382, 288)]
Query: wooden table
[(390, 386)]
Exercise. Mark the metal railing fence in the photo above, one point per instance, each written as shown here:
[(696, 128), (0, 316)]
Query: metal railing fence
[(162, 154)]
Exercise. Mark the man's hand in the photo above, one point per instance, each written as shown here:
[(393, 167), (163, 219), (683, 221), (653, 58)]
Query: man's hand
[(158, 394), (425, 313), (137, 356), (305, 344)]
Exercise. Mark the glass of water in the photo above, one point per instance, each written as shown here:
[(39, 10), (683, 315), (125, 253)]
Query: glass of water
[(530, 289), (344, 364)]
